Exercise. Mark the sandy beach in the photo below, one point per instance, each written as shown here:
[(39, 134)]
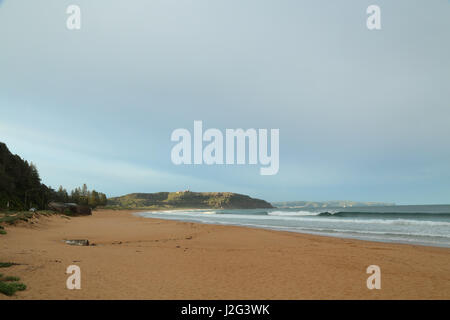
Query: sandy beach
[(141, 258)]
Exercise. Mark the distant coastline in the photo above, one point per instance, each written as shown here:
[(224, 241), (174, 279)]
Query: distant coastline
[(220, 200)]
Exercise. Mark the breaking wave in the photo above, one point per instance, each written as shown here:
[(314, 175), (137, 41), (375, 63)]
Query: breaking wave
[(388, 224)]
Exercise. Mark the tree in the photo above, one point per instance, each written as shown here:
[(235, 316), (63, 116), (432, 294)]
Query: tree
[(103, 199), (34, 175), (75, 195), (62, 195), (21, 186), (84, 195), (84, 191), (94, 199)]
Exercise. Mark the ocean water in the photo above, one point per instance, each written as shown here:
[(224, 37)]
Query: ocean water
[(420, 224)]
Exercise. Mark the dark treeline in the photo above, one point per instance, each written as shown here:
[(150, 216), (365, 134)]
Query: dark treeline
[(81, 196), (21, 187)]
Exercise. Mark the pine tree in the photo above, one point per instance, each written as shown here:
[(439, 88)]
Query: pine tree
[(94, 199), (103, 199), (21, 186), (75, 195), (62, 195)]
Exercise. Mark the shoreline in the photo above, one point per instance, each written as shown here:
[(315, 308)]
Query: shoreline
[(286, 229), (149, 258)]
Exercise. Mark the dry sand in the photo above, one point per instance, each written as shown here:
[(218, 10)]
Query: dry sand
[(141, 258)]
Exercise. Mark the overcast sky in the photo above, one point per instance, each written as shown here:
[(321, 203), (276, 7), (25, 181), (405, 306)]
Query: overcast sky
[(363, 115)]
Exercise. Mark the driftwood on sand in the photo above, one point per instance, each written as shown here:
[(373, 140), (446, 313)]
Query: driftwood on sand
[(77, 242)]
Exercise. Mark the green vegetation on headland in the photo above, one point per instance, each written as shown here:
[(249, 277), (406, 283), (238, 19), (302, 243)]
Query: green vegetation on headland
[(186, 199), (21, 187)]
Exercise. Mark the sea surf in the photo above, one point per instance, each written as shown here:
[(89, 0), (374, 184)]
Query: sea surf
[(419, 224)]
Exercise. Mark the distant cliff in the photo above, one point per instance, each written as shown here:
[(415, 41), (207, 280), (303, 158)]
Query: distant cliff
[(187, 199), (330, 204)]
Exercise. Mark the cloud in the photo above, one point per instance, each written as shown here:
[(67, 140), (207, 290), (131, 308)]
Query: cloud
[(59, 164)]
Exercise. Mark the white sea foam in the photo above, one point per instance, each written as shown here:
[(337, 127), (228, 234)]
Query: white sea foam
[(308, 217), (293, 213), (429, 230)]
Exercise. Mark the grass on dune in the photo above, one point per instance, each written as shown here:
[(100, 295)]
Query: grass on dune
[(9, 278), (9, 284), (10, 287), (7, 264), (11, 217)]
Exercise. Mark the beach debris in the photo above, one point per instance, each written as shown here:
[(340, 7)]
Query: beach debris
[(77, 242)]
